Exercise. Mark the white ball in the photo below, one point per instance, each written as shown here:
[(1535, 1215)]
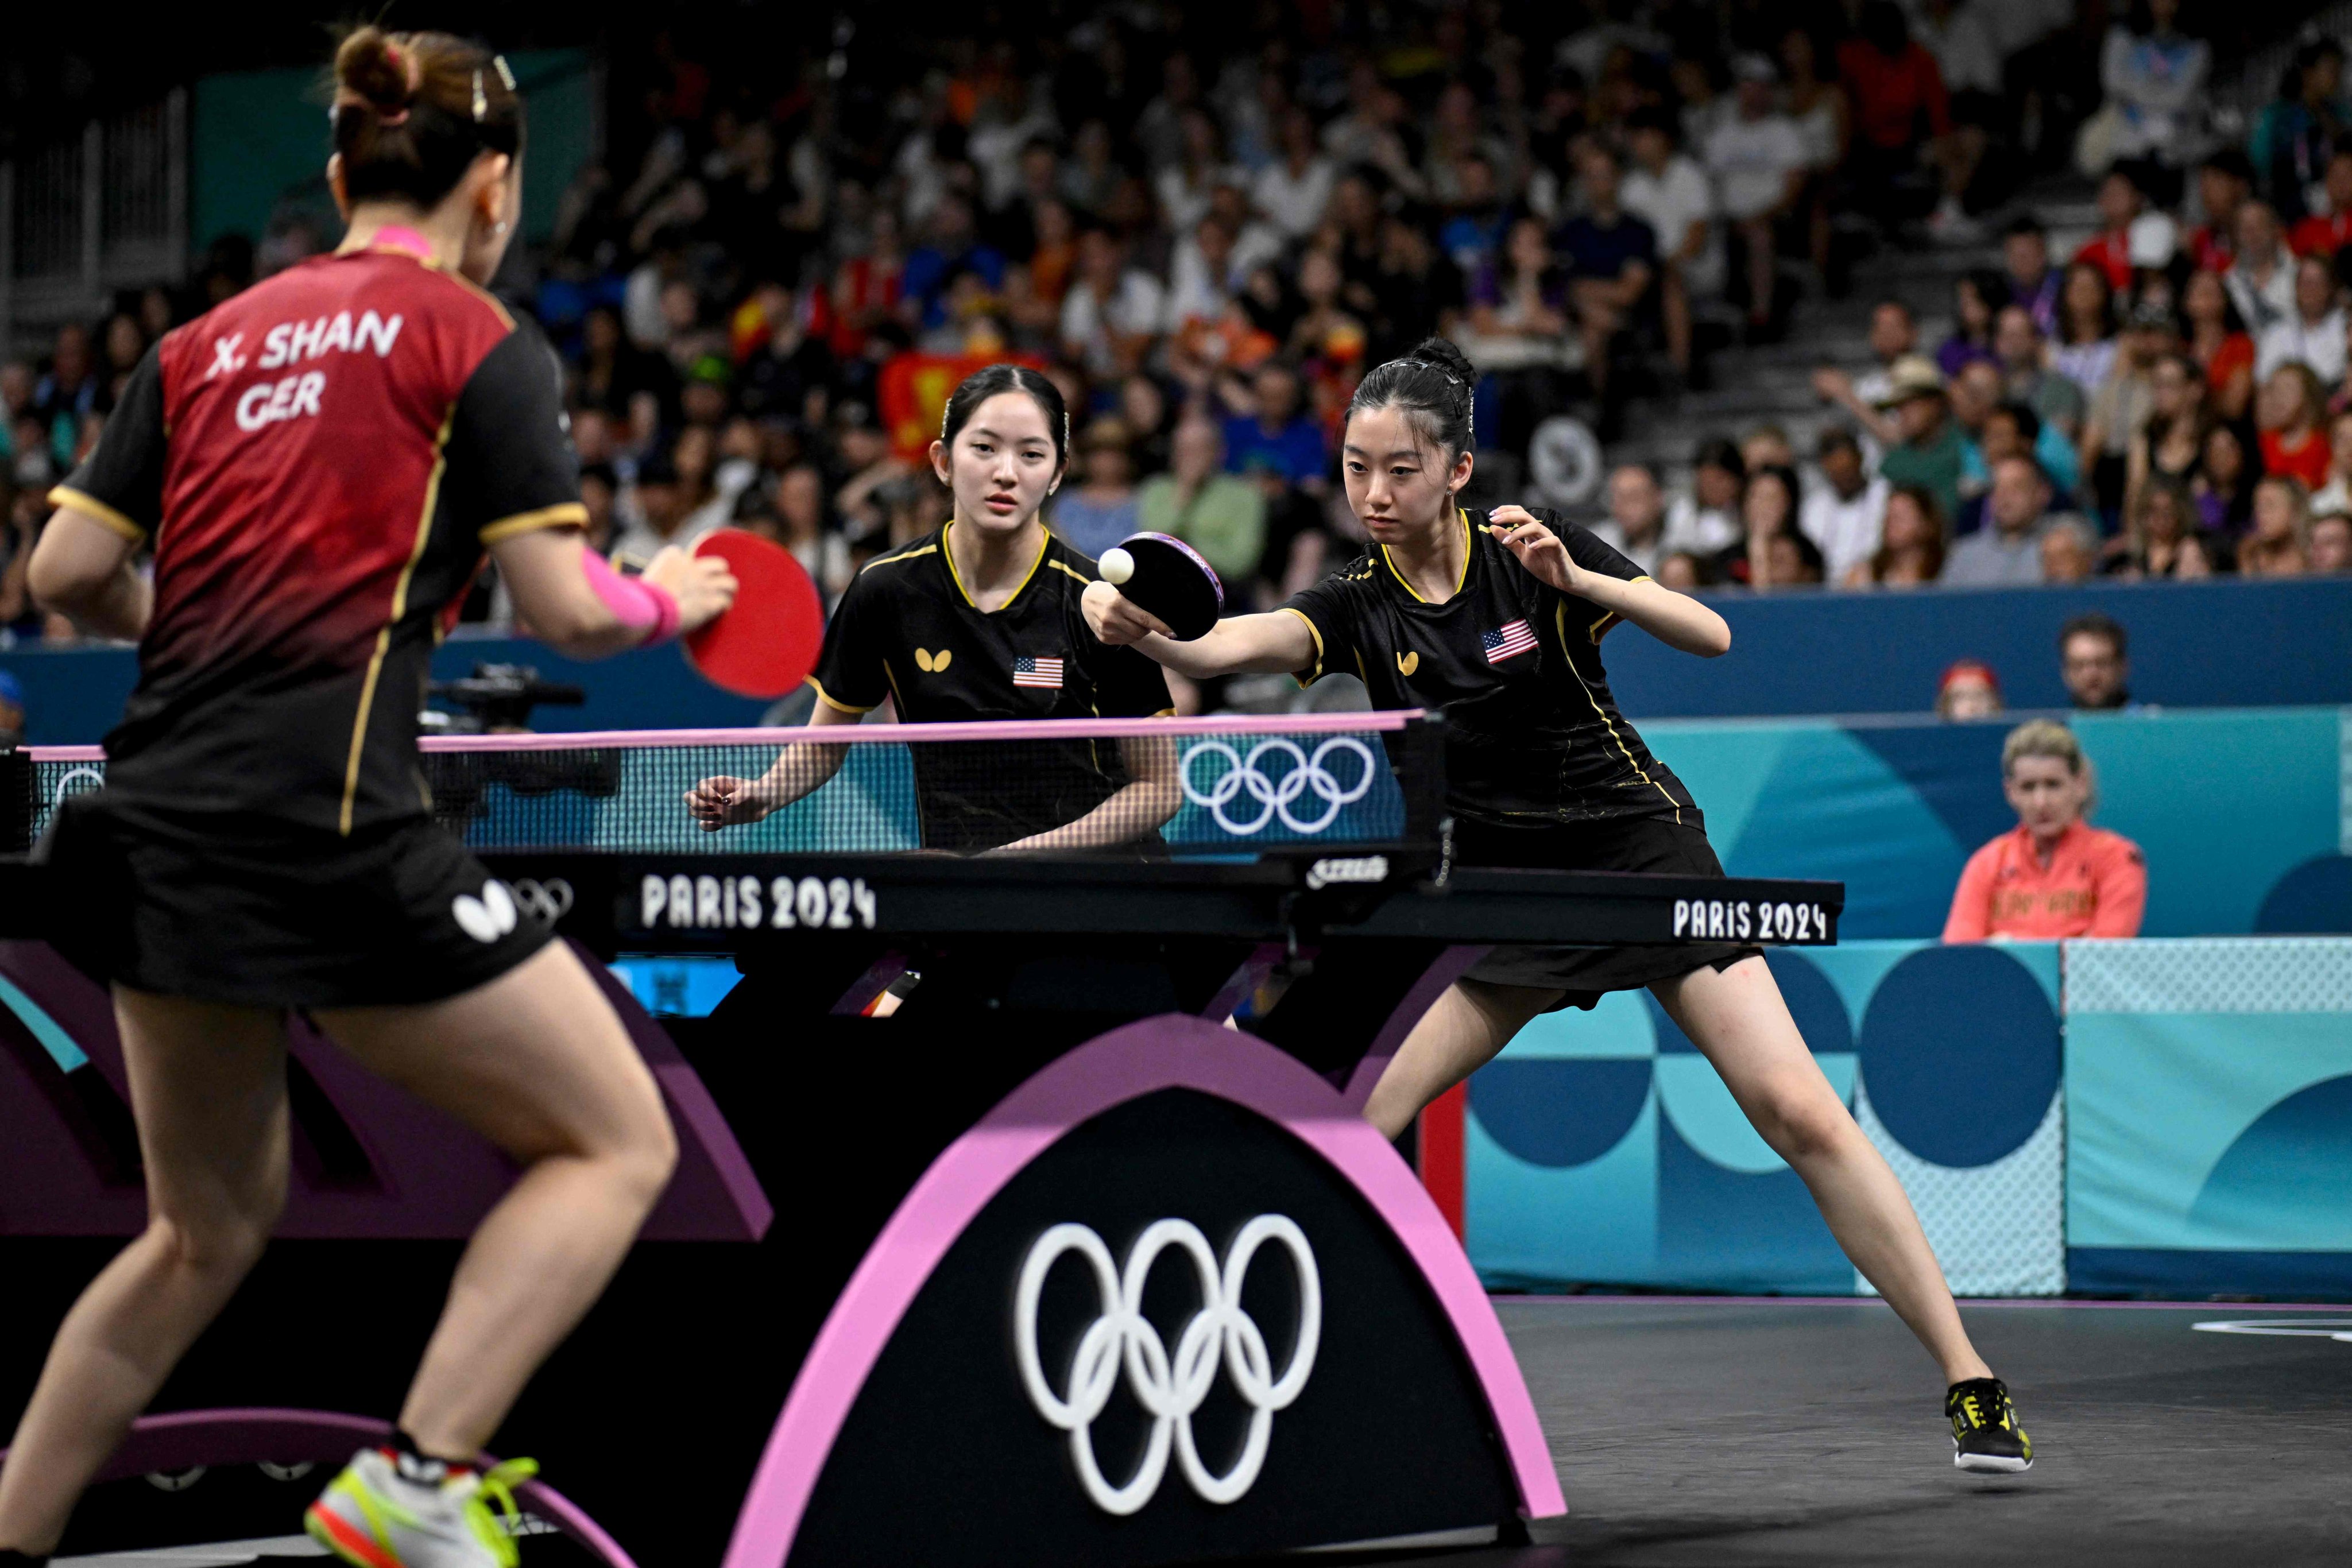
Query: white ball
[(1116, 565)]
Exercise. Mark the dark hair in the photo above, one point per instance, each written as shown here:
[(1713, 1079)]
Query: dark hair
[(1786, 477), (1991, 288), (2021, 414), (2091, 623), (986, 382), (413, 111), (1720, 452), (1434, 385), (2230, 159), (1836, 438), (2022, 224), (1652, 118)]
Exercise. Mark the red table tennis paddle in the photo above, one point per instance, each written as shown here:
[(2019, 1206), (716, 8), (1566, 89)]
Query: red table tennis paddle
[(1166, 576), (767, 641)]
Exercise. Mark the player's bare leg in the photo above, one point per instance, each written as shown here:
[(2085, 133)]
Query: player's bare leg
[(535, 1062), (208, 1086), (1460, 1033)]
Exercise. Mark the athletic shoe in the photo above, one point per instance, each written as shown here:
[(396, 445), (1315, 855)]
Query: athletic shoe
[(372, 1516), (1985, 1433)]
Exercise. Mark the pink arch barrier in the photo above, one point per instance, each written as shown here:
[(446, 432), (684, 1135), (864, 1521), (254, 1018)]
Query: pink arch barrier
[(1171, 1051)]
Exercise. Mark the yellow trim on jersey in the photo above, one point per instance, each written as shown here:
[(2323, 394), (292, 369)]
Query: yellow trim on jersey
[(829, 700), (1459, 583), (564, 514), (895, 557), (1073, 571), (92, 507), (1560, 620), (399, 608), (1314, 671), (1045, 542), (1610, 619)]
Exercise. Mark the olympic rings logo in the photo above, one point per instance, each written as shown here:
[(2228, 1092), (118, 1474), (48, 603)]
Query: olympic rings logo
[(1171, 1388), (548, 902), (1275, 797)]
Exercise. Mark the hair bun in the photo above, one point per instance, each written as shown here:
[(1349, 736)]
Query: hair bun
[(1442, 353), (372, 67)]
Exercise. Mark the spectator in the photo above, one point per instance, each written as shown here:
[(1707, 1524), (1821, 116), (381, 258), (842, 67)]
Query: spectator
[(1706, 521), (2026, 378), (1894, 85), (1635, 526), (2009, 553), (2260, 279), (1845, 515), (2087, 338), (2294, 136), (2160, 537), (1293, 191), (2336, 495), (1768, 515), (2109, 250), (2155, 79), (12, 712), (1473, 235), (2011, 430), (2294, 440), (2224, 182), (2278, 544), (2224, 485), (1910, 551), (2054, 876), (1101, 508), (1968, 690), (2123, 405), (1957, 35), (1931, 450), (2069, 551), (1612, 260), (2328, 230), (1519, 320), (2313, 334), (2217, 339), (2032, 281), (1276, 436), (1221, 514), (2170, 443), (2329, 550), (2095, 663), (1759, 162), (1818, 108), (1113, 308), (1669, 191), (1680, 572), (1978, 296), (801, 528), (1765, 446)]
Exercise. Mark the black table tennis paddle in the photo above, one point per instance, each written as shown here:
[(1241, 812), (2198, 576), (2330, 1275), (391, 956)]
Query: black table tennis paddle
[(1165, 577)]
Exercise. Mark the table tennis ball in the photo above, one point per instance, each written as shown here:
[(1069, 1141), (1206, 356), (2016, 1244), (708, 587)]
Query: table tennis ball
[(1116, 565)]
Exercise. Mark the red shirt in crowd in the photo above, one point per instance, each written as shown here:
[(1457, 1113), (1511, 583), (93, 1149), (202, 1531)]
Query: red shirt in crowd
[(2094, 884), (1889, 95), (2111, 254), (2306, 460), (2210, 249), (2317, 236)]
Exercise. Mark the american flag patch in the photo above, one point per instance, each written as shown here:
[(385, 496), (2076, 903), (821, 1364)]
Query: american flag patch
[(1512, 640), (1047, 673)]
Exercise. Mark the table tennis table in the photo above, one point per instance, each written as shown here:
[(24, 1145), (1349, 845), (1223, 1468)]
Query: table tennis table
[(1085, 1255)]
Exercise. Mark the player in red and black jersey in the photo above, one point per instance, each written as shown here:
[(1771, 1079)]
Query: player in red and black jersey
[(321, 464), (1497, 620)]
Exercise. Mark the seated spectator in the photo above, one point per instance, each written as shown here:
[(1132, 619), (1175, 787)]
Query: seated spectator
[(1768, 517), (1520, 321), (1931, 450), (2172, 440), (2294, 439), (2224, 182), (1910, 551), (1100, 510), (2027, 378), (1968, 690), (2032, 281), (2069, 551), (1894, 87), (2086, 334), (2277, 544), (2261, 280), (2293, 136), (1845, 516), (1706, 521), (801, 529), (1979, 296), (2326, 231), (2216, 338), (2056, 876), (2313, 333), (2336, 495), (2159, 537), (1635, 526), (1612, 260), (1669, 191), (1276, 436), (2009, 553), (2094, 662), (1112, 311), (1759, 163), (2329, 551), (1472, 236), (1817, 106), (1292, 191), (2109, 250), (2224, 485), (1221, 514), (2123, 405), (2011, 430), (1959, 36), (1680, 572), (2154, 76)]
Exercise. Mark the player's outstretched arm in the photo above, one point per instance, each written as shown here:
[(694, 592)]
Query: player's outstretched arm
[(570, 600), (84, 569), (801, 769), (1275, 643), (1674, 619), (1139, 807)]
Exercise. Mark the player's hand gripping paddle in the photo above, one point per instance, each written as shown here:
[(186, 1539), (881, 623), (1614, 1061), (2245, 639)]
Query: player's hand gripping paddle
[(1167, 578), (767, 641)]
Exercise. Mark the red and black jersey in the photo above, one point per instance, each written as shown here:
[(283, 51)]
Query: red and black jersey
[(321, 462)]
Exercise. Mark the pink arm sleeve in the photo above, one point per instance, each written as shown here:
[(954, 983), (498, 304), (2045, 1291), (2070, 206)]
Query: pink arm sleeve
[(633, 601)]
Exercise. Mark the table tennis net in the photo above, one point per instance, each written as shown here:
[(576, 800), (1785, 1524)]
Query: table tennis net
[(1171, 786)]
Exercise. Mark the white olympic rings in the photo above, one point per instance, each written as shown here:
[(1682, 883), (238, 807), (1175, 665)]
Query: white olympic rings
[(548, 901), (1275, 797), (1170, 1388)]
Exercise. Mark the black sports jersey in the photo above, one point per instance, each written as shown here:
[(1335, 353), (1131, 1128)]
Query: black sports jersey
[(321, 462), (907, 629), (1532, 733)]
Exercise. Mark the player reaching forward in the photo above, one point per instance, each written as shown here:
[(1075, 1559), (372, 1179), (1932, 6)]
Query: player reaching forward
[(321, 463), (1496, 618)]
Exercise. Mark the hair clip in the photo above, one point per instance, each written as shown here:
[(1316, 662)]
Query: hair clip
[(481, 102), (506, 74)]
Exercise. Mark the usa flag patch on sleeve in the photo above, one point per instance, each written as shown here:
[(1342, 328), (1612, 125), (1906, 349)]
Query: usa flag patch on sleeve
[(1513, 640)]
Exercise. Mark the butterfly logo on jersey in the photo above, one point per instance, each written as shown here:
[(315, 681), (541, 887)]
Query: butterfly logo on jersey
[(1514, 638), (931, 663), (1408, 663), (1044, 673), (489, 917)]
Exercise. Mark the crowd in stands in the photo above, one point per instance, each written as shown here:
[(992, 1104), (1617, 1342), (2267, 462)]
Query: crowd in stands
[(1206, 225)]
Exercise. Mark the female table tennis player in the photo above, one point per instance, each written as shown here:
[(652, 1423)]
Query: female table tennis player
[(1498, 619), (981, 620), (321, 463)]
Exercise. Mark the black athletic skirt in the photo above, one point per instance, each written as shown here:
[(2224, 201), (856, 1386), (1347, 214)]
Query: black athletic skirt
[(256, 913), (1617, 843)]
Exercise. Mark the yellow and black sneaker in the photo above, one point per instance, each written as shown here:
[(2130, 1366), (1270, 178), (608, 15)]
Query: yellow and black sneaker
[(1985, 1433)]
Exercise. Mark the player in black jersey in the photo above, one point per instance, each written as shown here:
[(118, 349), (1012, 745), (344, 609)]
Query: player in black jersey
[(980, 622), (1495, 619)]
